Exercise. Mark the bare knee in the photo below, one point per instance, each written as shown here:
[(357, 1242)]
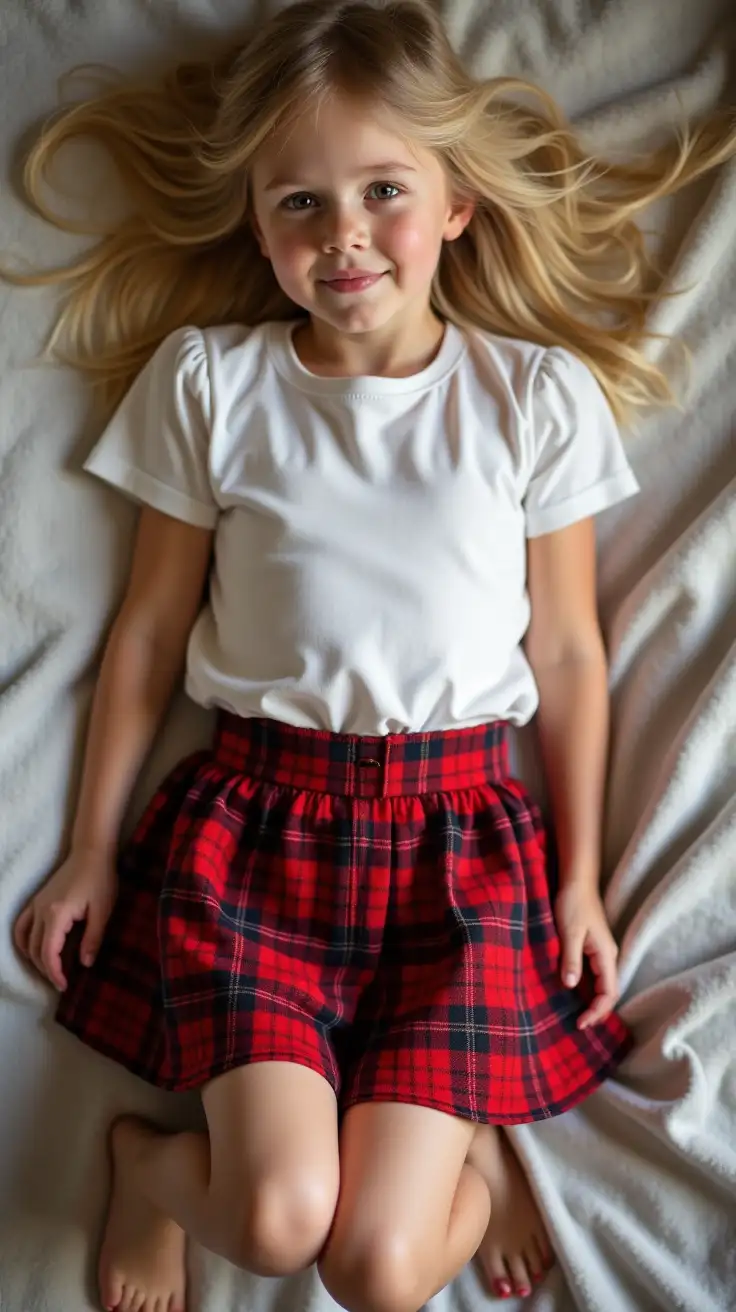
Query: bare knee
[(382, 1273), (282, 1224)]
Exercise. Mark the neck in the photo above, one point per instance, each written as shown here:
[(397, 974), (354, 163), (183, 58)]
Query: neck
[(393, 351)]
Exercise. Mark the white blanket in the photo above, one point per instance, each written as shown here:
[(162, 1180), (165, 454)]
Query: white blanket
[(639, 1184)]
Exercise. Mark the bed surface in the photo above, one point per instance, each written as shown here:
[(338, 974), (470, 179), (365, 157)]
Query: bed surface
[(639, 1185)]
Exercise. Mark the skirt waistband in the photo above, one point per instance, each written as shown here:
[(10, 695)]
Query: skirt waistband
[(391, 765)]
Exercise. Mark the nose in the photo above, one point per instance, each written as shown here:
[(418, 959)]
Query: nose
[(345, 228)]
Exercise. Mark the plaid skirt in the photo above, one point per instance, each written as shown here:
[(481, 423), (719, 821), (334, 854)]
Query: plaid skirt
[(377, 909)]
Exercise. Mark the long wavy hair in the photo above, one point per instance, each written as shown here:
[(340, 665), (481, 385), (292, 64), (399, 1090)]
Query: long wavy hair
[(553, 253)]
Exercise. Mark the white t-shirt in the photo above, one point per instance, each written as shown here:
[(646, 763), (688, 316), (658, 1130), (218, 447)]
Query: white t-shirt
[(369, 571)]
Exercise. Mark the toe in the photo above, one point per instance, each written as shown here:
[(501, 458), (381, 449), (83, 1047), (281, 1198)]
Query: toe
[(533, 1262), (546, 1251), (111, 1290), (539, 1254), (494, 1270), (519, 1274)]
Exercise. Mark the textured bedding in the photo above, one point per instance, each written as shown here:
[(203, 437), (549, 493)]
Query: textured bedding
[(639, 1184)]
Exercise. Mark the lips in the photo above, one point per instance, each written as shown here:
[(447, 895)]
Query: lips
[(352, 280)]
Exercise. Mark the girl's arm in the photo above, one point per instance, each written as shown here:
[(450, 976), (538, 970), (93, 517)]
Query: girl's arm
[(565, 648), (143, 658)]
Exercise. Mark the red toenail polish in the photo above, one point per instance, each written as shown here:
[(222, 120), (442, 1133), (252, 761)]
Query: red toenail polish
[(524, 1292), (503, 1288)]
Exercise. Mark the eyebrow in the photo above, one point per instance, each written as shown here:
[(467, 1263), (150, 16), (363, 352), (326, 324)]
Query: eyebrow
[(388, 166)]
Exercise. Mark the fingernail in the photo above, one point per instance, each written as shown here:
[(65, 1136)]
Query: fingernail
[(571, 977), (87, 959)]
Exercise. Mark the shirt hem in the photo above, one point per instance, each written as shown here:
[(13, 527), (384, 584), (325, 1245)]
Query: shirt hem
[(601, 496), (141, 487)]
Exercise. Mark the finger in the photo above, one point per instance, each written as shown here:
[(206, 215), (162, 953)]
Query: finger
[(92, 937), (603, 963), (53, 945), (597, 1011), (35, 939), (22, 929), (603, 955), (572, 957), (606, 996)]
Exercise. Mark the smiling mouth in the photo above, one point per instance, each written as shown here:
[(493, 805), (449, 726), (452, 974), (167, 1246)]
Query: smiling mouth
[(352, 284)]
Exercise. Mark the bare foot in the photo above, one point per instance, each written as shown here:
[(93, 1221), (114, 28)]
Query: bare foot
[(142, 1262), (515, 1251)]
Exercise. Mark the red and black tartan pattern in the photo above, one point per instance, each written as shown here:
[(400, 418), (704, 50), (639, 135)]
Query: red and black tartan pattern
[(377, 909)]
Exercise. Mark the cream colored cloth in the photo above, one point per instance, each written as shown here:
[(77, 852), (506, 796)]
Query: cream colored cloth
[(638, 1185)]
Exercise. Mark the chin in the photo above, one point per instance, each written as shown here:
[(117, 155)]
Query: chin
[(361, 318)]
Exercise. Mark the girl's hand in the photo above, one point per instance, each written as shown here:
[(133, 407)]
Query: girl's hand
[(583, 930), (83, 888)]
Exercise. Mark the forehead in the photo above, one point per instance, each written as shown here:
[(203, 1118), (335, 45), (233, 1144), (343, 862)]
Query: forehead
[(339, 134)]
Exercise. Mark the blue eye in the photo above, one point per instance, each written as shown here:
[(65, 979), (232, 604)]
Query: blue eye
[(291, 202), (301, 202), (386, 186)]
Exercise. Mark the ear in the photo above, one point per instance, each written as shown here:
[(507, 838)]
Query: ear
[(458, 218)]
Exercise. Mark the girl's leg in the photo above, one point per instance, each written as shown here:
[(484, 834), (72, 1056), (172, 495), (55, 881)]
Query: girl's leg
[(411, 1212), (515, 1250), (260, 1189)]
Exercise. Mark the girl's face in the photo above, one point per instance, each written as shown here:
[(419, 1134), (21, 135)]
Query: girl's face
[(352, 217)]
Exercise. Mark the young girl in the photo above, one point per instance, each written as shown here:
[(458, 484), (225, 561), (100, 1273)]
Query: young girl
[(387, 314)]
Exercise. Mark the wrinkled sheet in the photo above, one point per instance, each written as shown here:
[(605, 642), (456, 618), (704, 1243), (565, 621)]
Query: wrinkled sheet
[(639, 1184)]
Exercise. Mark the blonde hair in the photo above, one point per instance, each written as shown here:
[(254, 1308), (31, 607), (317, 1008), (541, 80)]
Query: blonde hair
[(552, 253)]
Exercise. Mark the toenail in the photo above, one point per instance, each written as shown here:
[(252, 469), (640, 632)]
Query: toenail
[(503, 1288), (524, 1292)]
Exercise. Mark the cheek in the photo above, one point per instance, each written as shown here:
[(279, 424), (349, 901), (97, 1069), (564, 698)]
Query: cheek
[(288, 250), (415, 240)]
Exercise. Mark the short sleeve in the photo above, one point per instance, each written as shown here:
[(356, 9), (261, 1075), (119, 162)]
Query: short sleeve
[(156, 446), (578, 465)]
